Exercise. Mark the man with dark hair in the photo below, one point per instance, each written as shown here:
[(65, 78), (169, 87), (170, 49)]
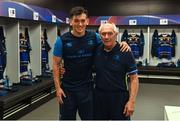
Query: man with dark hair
[(77, 11), (76, 48)]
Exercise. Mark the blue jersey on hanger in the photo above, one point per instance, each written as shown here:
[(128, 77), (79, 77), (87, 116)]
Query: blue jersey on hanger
[(2, 53), (24, 53), (135, 41), (163, 45), (45, 48), (155, 44), (174, 42)]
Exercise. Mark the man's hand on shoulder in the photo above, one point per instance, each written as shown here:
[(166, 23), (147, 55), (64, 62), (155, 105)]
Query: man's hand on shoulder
[(124, 47)]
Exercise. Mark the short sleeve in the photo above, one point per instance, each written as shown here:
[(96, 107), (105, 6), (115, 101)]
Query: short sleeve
[(131, 64), (58, 47), (98, 39)]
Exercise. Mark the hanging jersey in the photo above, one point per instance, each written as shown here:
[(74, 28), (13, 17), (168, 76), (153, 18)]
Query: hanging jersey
[(142, 42), (45, 48), (3, 55), (24, 57), (136, 42), (2, 65), (165, 46), (24, 54), (174, 41), (124, 36), (155, 44)]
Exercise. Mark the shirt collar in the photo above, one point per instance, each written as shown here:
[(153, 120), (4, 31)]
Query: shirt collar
[(116, 47)]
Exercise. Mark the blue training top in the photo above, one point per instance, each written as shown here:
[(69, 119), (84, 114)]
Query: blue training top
[(112, 68), (78, 55)]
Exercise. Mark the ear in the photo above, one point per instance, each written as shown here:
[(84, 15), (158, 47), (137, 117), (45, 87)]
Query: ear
[(70, 22), (116, 33), (87, 21)]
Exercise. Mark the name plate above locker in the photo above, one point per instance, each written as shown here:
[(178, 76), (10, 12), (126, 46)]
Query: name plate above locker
[(30, 12), (137, 20)]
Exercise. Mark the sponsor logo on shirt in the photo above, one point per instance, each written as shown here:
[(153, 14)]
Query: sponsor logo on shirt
[(69, 44), (90, 42)]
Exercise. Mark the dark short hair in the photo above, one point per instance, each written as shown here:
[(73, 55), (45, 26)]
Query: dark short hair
[(78, 11)]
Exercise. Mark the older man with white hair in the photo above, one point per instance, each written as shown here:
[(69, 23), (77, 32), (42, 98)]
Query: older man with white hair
[(112, 99)]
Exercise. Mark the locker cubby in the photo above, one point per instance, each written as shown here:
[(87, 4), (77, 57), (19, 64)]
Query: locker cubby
[(34, 35), (153, 61), (136, 30), (51, 34), (12, 28)]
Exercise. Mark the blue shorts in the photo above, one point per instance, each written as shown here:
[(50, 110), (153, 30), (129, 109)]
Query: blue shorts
[(81, 101), (110, 105)]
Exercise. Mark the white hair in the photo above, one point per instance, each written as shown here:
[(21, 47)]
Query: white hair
[(115, 29)]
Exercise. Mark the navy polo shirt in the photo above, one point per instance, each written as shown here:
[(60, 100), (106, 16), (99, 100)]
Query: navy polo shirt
[(112, 68), (78, 55)]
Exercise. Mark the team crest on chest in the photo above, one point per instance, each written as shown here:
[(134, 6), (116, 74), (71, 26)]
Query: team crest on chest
[(116, 58)]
